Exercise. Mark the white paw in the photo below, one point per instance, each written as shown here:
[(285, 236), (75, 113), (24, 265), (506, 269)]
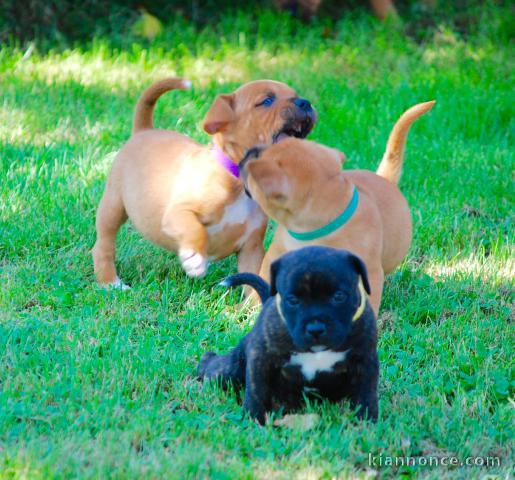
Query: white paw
[(116, 284), (194, 264)]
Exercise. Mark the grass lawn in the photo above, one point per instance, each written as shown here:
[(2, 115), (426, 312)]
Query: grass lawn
[(97, 384)]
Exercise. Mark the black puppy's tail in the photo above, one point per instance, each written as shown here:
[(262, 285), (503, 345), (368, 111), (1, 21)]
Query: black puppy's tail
[(251, 279)]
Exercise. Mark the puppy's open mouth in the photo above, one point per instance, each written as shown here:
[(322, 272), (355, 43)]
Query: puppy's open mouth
[(295, 128)]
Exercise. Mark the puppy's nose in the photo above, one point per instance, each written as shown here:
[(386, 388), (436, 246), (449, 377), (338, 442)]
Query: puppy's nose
[(315, 329), (303, 104)]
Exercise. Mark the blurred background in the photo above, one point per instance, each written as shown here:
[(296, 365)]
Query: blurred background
[(68, 21)]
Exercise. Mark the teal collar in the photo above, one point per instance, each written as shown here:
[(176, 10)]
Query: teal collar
[(332, 226)]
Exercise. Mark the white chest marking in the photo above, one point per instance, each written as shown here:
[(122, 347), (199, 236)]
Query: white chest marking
[(313, 362), (242, 211)]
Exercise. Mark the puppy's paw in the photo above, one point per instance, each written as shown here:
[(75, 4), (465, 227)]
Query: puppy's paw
[(194, 264), (117, 284), (204, 364)]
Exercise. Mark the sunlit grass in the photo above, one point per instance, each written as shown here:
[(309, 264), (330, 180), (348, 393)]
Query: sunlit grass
[(479, 269), (101, 383)]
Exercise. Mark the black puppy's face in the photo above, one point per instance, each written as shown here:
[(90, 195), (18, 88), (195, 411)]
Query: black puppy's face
[(319, 294)]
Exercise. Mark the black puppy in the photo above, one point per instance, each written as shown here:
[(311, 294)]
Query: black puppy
[(316, 336)]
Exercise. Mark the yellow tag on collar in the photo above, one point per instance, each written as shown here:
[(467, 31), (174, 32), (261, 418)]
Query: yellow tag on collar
[(363, 302), (279, 309)]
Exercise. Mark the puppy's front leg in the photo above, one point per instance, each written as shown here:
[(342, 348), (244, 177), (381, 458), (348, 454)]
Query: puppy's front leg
[(273, 253), (257, 387), (251, 254), (364, 395), (376, 279), (184, 229), (250, 257)]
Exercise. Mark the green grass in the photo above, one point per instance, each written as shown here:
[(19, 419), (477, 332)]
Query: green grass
[(97, 384)]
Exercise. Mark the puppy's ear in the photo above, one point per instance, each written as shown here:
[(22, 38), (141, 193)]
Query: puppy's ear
[(361, 269), (270, 178), (219, 115), (274, 271)]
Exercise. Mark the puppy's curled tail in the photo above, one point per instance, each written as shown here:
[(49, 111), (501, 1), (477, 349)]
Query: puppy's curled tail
[(391, 164), (148, 99), (251, 279)]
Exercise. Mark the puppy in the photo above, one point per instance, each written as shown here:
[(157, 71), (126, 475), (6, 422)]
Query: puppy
[(187, 197), (316, 336), (300, 184)]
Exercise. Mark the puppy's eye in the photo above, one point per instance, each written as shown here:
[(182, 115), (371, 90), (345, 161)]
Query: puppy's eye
[(339, 296), (292, 301), (267, 102)]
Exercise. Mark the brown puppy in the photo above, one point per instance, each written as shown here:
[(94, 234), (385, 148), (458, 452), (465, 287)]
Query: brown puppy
[(300, 184), (187, 197)]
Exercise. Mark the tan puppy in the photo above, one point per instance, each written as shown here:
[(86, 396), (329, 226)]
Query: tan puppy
[(187, 197), (300, 184)]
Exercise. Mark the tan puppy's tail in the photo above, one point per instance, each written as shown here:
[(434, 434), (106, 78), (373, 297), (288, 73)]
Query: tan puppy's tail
[(391, 164), (148, 99)]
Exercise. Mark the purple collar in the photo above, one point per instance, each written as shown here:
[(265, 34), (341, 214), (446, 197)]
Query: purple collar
[(225, 161)]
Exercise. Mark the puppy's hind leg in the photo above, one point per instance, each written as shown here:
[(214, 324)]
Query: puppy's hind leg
[(229, 369), (110, 216)]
